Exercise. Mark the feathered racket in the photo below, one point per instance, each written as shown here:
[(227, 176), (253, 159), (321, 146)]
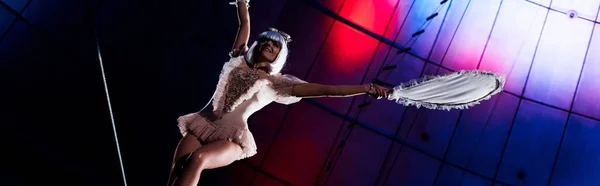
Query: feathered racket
[(457, 90)]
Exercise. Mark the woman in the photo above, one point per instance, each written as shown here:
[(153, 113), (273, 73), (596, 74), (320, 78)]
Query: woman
[(249, 81)]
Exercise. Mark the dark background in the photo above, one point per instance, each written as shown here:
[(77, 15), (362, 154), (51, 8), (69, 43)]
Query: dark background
[(162, 60)]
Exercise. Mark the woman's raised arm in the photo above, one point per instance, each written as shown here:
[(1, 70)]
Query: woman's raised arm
[(241, 41)]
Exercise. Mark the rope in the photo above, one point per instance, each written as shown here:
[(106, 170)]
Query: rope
[(112, 119)]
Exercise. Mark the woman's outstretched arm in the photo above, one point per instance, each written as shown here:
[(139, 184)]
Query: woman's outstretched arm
[(243, 34), (312, 90)]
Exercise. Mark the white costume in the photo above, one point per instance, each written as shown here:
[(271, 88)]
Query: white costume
[(240, 92)]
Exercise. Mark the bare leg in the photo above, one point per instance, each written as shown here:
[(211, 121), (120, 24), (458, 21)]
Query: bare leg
[(186, 146), (214, 155)]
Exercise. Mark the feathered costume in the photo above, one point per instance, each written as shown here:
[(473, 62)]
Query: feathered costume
[(241, 91)]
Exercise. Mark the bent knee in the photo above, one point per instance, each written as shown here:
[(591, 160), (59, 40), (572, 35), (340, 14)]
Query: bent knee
[(199, 158), (215, 155)]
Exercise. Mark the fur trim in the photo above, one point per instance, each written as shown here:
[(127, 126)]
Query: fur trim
[(395, 96)]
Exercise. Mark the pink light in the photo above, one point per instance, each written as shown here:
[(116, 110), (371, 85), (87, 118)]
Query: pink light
[(350, 50), (372, 15), (513, 42)]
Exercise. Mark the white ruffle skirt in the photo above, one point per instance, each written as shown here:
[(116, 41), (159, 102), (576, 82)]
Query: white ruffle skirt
[(207, 132)]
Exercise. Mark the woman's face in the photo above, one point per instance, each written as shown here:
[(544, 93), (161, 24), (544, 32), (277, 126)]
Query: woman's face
[(268, 50)]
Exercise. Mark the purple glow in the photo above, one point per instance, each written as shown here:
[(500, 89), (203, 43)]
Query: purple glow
[(558, 60), (587, 100)]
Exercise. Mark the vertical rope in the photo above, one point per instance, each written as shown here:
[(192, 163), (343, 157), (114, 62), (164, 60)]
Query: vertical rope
[(92, 14), (112, 119)]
